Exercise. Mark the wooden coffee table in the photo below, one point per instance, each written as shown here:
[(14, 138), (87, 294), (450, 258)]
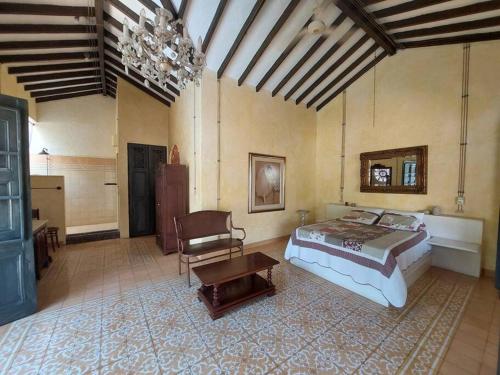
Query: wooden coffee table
[(232, 282)]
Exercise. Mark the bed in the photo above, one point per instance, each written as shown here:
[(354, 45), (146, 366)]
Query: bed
[(376, 262)]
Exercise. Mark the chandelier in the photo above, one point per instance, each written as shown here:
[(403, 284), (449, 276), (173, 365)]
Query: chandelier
[(164, 53)]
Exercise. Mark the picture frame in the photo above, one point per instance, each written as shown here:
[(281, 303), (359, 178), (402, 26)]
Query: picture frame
[(266, 183)]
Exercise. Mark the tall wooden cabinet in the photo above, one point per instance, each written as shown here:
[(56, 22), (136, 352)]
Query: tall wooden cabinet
[(172, 199)]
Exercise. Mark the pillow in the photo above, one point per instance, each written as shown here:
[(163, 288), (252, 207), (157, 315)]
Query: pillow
[(373, 210), (399, 221), (360, 216), (418, 215)]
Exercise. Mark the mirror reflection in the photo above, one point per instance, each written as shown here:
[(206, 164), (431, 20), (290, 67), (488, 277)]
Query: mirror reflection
[(394, 171)]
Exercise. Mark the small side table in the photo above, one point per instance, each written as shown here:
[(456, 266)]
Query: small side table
[(302, 216)]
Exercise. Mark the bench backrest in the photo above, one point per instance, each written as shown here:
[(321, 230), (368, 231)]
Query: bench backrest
[(202, 224)]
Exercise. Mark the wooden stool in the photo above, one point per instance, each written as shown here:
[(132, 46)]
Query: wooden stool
[(53, 233)]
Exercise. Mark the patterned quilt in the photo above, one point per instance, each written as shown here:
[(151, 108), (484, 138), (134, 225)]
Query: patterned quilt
[(369, 245)]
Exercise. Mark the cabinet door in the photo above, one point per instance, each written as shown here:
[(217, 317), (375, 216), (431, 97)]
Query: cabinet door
[(17, 266), (176, 199)]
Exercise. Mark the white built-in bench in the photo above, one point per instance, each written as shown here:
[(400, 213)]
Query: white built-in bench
[(456, 241)]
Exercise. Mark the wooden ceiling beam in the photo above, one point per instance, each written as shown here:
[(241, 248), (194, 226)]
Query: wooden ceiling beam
[(46, 10), (323, 77), (99, 17), (67, 96), (248, 22), (450, 28), (213, 25), (407, 6), (19, 28), (269, 38), (323, 59), (144, 89), (341, 18), (467, 10), (39, 44), (343, 74), (182, 8), (150, 4), (354, 78), (45, 57), (65, 90), (370, 2), (140, 77), (51, 85), (51, 67), (471, 38), (54, 76), (167, 4), (289, 48), (354, 10)]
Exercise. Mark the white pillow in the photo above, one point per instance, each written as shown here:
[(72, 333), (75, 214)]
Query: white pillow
[(418, 215), (361, 216)]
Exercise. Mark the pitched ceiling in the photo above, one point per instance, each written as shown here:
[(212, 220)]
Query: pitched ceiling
[(65, 48)]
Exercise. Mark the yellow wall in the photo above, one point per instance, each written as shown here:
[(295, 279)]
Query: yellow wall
[(9, 86), (140, 119), (250, 122), (418, 102)]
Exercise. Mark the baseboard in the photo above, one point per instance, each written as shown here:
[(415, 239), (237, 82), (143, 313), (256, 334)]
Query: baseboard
[(92, 236), (270, 241)]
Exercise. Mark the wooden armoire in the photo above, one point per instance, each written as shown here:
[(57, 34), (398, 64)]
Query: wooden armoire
[(172, 199)]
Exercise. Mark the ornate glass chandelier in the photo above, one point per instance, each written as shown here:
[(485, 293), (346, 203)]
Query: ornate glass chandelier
[(164, 53)]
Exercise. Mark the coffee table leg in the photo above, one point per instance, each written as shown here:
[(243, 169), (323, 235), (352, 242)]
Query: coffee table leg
[(269, 277), (216, 296)]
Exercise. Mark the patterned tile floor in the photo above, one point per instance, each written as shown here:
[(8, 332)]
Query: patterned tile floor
[(119, 307)]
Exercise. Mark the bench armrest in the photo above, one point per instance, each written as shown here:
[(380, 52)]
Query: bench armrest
[(240, 229)]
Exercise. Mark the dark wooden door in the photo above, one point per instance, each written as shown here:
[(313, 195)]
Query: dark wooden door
[(142, 163), (17, 266)]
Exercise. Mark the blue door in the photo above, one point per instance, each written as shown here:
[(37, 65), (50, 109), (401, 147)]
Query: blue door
[(17, 266)]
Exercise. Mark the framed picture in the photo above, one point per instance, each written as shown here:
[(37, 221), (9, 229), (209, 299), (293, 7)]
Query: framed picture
[(266, 183)]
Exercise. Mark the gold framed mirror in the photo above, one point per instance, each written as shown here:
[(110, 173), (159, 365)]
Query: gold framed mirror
[(400, 170)]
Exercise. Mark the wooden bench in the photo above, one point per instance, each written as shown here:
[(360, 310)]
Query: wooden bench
[(200, 225)]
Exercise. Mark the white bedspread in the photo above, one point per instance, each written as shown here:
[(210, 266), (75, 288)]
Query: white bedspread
[(393, 288)]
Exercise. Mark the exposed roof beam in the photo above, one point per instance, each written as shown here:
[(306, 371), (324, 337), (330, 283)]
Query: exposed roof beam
[(352, 79), (150, 4), (251, 17), (342, 75), (51, 67), (354, 10), (122, 75), (467, 10), (269, 38), (67, 96), (182, 8), (213, 25), (53, 76), (334, 67), (479, 37), (370, 2), (407, 6), (39, 44), (167, 4), (46, 10), (65, 90), (19, 28), (50, 85), (44, 57), (289, 48), (141, 78), (307, 55), (323, 59), (451, 28), (99, 13)]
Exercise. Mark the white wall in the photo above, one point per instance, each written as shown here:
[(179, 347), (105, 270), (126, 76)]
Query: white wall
[(76, 127)]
